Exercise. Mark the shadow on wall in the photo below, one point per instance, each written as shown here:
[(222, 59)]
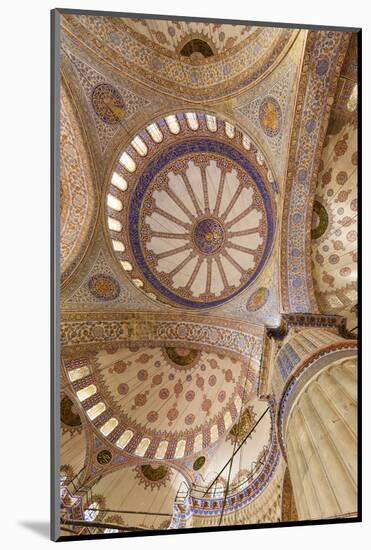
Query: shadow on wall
[(41, 528)]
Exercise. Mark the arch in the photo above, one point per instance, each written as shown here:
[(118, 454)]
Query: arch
[(288, 506)]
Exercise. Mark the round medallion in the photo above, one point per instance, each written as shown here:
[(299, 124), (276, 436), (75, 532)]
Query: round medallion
[(319, 221), (199, 462), (191, 258), (108, 103), (208, 235), (104, 457), (104, 287), (270, 116), (154, 474), (182, 358), (258, 299), (69, 414)]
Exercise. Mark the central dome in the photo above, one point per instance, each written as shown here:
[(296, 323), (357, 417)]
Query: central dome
[(198, 225)]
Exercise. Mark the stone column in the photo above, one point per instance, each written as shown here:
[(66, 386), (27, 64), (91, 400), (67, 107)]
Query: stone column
[(319, 436)]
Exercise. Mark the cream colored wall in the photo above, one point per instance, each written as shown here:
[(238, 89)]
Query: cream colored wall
[(321, 442)]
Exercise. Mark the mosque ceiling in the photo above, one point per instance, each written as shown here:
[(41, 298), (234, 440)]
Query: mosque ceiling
[(164, 402), (191, 157), (78, 195), (197, 78), (323, 59), (190, 210), (335, 213)]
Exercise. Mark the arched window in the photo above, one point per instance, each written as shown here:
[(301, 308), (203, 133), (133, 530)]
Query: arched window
[(91, 513)]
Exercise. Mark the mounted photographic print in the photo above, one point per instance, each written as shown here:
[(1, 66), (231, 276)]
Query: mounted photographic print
[(205, 225)]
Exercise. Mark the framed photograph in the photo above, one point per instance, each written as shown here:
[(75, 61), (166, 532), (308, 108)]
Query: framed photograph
[(205, 290)]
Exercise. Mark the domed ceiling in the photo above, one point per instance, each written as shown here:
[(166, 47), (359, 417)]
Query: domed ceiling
[(165, 402), (335, 213), (190, 210), (150, 490), (77, 192), (187, 130), (175, 58)]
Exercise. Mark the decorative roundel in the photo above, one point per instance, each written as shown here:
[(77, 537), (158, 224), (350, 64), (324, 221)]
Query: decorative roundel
[(190, 210), (104, 287), (258, 299), (182, 358), (153, 477), (199, 462), (154, 473), (108, 103), (270, 116), (69, 415), (104, 457), (320, 220), (208, 235)]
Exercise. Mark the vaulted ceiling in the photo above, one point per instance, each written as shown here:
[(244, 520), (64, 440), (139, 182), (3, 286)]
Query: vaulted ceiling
[(191, 157)]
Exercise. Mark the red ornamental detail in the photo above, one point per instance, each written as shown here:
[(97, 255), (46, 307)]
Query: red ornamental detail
[(123, 389), (213, 364), (140, 399), (144, 358), (221, 396), (190, 395), (343, 196), (178, 388), (212, 380), (164, 393), (157, 379), (341, 178), (352, 236), (200, 381), (341, 146), (172, 413), (120, 367), (206, 405), (189, 419), (228, 375), (152, 416)]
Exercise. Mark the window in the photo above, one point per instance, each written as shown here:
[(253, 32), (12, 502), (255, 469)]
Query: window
[(87, 392), (95, 411), (118, 246), (128, 162), (124, 439), (229, 130), (118, 181), (139, 146), (92, 512), (155, 133), (114, 225), (76, 374), (109, 426), (211, 123), (114, 203), (127, 265), (192, 120), (173, 124)]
